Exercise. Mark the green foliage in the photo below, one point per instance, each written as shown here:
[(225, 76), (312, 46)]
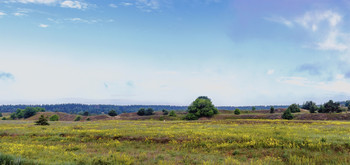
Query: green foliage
[(165, 112), (149, 111), (287, 115), (42, 121), (237, 111), (88, 119), (0, 114), (54, 118), (112, 113), (294, 108), (78, 118), (191, 116), (202, 106), (141, 112), (4, 118), (347, 103), (26, 113), (313, 108), (308, 105), (272, 110), (172, 113), (321, 109), (331, 107), (86, 113), (253, 108)]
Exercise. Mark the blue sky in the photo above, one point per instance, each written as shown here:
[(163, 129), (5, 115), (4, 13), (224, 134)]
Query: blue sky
[(237, 52)]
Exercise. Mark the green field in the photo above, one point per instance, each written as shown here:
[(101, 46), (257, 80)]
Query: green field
[(176, 142)]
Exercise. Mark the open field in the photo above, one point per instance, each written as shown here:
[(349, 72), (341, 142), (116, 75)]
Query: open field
[(176, 142)]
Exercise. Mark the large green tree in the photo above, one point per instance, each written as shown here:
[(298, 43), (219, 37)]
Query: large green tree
[(294, 108), (331, 106), (202, 106)]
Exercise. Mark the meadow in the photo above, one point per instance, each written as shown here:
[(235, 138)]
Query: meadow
[(238, 141)]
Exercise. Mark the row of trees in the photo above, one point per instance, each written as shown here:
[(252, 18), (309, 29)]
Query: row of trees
[(328, 107), (26, 113)]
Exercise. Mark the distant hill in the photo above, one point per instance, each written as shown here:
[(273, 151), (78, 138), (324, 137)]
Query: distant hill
[(104, 109)]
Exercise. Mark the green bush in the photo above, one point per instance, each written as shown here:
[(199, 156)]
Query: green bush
[(172, 113), (42, 121), (272, 110), (202, 106), (78, 118), (88, 119), (141, 112), (287, 115), (237, 111), (294, 108), (149, 111), (112, 113), (191, 116), (4, 118), (0, 114), (54, 118), (165, 112)]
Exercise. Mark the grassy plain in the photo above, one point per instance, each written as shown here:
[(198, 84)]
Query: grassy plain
[(239, 141)]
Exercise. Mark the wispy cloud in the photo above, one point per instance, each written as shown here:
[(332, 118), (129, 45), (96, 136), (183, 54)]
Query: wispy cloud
[(74, 4), (6, 76), (2, 13), (280, 20), (270, 72), (43, 26), (113, 5)]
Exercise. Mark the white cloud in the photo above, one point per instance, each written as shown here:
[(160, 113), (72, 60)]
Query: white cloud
[(18, 14), (340, 85), (270, 72), (2, 14), (280, 20), (126, 4), (34, 1), (74, 4), (113, 5), (43, 25)]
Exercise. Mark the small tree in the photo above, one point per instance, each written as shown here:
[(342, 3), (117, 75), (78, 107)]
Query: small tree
[(237, 111), (54, 118), (86, 113), (253, 108), (272, 110), (308, 105), (202, 106), (141, 112), (165, 112), (294, 108), (88, 119), (331, 106), (149, 111), (321, 109), (313, 108), (4, 118), (112, 113), (172, 113), (42, 121), (77, 118), (287, 115)]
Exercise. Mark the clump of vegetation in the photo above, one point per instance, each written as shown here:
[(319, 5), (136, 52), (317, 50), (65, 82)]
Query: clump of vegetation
[(287, 115), (272, 110), (165, 112), (311, 106), (42, 121), (330, 107), (88, 119), (294, 108), (202, 107), (172, 113), (0, 114), (54, 118), (237, 111), (86, 113), (78, 118), (191, 116), (145, 112), (4, 118), (112, 113), (26, 113), (253, 108)]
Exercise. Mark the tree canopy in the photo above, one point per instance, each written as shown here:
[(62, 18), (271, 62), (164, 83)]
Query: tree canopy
[(202, 106), (294, 108)]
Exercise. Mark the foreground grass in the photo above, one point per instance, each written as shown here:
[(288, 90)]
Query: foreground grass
[(176, 142)]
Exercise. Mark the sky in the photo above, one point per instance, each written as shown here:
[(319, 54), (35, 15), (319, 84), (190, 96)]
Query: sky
[(169, 52)]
